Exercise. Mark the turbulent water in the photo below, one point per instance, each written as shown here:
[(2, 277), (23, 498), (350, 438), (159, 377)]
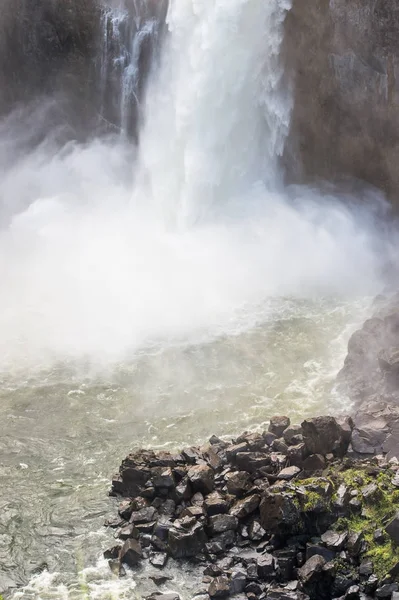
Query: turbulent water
[(159, 293)]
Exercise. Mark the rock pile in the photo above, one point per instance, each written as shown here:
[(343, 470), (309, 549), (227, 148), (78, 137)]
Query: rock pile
[(279, 515)]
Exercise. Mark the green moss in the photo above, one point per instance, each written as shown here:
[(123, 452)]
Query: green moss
[(377, 511)]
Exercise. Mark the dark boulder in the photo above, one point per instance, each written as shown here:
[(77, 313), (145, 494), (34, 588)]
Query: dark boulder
[(186, 541), (202, 479), (323, 435), (131, 553), (278, 425)]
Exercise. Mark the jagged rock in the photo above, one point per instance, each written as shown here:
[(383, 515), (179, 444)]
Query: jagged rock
[(219, 587), (266, 566), (185, 542), (159, 559), (293, 435), (202, 479), (238, 482), (278, 425), (234, 449), (279, 445), (131, 553), (353, 593), (129, 531), (238, 581), (312, 569), (216, 504), (145, 515), (163, 477), (112, 553), (256, 533), (323, 435), (354, 543), (366, 567), (386, 591), (313, 463), (392, 529), (296, 454), (244, 507), (278, 511), (289, 473), (222, 523), (252, 461), (371, 492), (334, 540), (316, 550), (125, 509)]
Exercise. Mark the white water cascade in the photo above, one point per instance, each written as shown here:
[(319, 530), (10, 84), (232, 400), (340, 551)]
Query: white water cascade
[(217, 112)]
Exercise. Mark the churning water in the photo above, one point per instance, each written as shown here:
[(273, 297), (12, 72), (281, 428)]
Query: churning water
[(154, 297)]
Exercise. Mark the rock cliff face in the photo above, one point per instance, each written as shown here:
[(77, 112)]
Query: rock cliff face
[(344, 60)]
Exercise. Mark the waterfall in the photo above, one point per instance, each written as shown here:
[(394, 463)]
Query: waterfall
[(217, 113), (131, 33)]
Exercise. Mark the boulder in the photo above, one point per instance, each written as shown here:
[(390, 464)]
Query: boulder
[(244, 507), (323, 435), (278, 512), (216, 504), (238, 482), (334, 540), (312, 569), (219, 587), (293, 435), (131, 553), (222, 523), (184, 542), (266, 566), (278, 425), (392, 529), (202, 479), (289, 473)]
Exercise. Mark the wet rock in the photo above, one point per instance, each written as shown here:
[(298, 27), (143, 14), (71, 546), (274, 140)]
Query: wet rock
[(256, 533), (323, 435), (289, 473), (392, 529), (238, 581), (279, 445), (386, 590), (371, 492), (366, 567), (269, 438), (145, 515), (222, 523), (278, 511), (354, 543), (202, 479), (159, 559), (125, 509), (131, 553), (278, 425), (246, 506), (312, 569), (216, 504), (184, 542), (234, 449), (252, 461), (313, 463), (112, 553), (238, 482), (353, 593), (129, 531), (266, 566), (316, 550), (293, 435), (219, 587), (334, 540), (163, 478), (296, 454)]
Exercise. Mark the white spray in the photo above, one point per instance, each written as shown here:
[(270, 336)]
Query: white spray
[(93, 267)]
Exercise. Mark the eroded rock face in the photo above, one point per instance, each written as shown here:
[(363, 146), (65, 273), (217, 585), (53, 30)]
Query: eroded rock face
[(344, 60)]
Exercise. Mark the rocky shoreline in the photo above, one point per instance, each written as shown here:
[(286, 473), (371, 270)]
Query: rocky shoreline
[(298, 512)]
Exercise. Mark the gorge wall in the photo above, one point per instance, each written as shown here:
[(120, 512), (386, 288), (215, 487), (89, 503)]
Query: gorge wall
[(344, 60)]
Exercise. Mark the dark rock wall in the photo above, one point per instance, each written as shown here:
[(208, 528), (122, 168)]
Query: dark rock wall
[(344, 61), (48, 46)]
